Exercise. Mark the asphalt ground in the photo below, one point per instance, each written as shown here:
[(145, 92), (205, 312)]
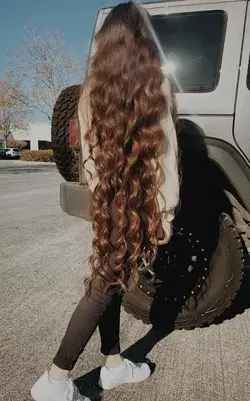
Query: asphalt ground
[(42, 265)]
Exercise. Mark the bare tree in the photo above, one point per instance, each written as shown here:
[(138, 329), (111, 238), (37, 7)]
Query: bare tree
[(13, 113), (44, 67)]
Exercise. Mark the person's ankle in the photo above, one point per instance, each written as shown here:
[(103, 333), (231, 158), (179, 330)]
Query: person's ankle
[(113, 361), (57, 375)]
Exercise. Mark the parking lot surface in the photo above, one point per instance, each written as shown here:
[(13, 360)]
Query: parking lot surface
[(42, 265)]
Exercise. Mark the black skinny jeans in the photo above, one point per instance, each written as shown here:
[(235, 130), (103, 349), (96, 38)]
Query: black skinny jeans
[(98, 309)]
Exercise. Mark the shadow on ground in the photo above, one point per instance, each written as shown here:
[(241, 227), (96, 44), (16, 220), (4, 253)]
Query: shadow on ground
[(203, 204), (88, 385), (137, 352)]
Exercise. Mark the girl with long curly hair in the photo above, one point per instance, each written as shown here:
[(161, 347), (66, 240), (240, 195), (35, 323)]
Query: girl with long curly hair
[(130, 160)]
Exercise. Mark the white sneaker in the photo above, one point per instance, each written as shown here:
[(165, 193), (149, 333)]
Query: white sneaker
[(126, 372), (46, 390)]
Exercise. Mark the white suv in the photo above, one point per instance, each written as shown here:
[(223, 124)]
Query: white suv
[(206, 45)]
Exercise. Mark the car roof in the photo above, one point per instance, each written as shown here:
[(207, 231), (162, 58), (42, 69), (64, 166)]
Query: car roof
[(150, 4)]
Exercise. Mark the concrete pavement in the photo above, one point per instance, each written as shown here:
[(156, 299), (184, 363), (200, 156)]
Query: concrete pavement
[(42, 264)]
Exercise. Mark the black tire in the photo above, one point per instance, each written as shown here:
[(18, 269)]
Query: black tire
[(64, 111), (214, 284)]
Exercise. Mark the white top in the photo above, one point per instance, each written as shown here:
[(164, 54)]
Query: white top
[(168, 196)]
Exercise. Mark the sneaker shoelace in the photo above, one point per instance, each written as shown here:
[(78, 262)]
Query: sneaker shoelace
[(132, 366)]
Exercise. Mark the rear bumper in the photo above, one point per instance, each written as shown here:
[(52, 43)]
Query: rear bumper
[(75, 200)]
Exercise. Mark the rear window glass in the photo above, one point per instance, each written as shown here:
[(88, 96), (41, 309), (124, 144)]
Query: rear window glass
[(192, 44), (16, 150)]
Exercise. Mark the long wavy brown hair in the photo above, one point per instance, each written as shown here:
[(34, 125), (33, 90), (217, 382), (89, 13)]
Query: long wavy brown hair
[(125, 139)]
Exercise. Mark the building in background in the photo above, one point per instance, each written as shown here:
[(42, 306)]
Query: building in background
[(38, 136)]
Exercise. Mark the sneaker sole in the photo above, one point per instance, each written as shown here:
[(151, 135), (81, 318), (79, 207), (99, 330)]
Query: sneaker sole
[(39, 398), (119, 384)]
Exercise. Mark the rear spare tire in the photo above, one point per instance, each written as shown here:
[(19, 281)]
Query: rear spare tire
[(65, 110)]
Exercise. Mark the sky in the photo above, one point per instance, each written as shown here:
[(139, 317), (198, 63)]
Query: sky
[(75, 18)]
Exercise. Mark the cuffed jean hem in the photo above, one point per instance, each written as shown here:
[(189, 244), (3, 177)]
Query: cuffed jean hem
[(61, 363), (114, 351)]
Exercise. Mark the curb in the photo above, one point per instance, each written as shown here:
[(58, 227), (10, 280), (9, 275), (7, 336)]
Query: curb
[(35, 163)]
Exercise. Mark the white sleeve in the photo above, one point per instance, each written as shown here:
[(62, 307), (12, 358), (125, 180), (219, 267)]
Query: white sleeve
[(168, 196)]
